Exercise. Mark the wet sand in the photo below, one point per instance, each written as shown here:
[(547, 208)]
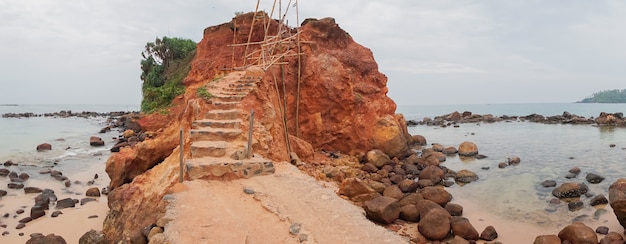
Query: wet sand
[(73, 223)]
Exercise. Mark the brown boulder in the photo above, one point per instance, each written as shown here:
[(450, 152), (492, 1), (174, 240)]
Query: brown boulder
[(93, 192), (450, 151), (423, 206), (418, 140), (353, 186), (617, 200), (96, 141), (569, 190), (44, 147), (459, 240), (436, 194), (465, 176), (409, 213), (377, 157), (437, 147), (462, 227), (393, 191), (390, 136), (612, 237), (407, 185), (382, 209), (547, 239), (432, 173), (412, 198), (489, 234), (578, 233), (468, 149), (49, 239), (435, 224), (454, 209)]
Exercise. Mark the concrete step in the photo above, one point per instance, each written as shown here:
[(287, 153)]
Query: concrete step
[(215, 134), (228, 98), (231, 124), (245, 90), (225, 105), (211, 168), (201, 149), (218, 114)]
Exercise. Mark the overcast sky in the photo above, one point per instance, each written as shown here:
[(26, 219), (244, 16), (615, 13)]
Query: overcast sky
[(433, 52)]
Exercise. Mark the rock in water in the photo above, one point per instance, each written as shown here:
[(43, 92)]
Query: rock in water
[(468, 149), (465, 176), (569, 190), (96, 141), (65, 203), (44, 147), (594, 178)]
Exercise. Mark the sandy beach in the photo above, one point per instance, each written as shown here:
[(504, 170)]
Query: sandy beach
[(72, 223)]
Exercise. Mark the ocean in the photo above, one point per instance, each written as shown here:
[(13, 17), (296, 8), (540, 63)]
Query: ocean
[(71, 154), (547, 152)]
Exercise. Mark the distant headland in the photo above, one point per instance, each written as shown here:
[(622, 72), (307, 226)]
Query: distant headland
[(607, 96)]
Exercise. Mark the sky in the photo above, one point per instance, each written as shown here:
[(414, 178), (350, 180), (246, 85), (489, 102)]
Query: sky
[(433, 52)]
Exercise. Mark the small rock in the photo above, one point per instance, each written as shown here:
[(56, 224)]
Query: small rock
[(3, 193), (548, 183), (602, 230), (68, 183), (56, 214), (489, 234), (294, 229), (86, 200), (44, 147), (92, 237), (30, 189), (578, 233), (547, 239), (15, 185), (20, 226), (248, 190), (37, 211), (19, 211), (92, 216), (454, 209), (594, 178), (573, 206), (24, 176), (598, 199), (513, 160), (502, 165), (465, 176), (26, 220), (49, 239)]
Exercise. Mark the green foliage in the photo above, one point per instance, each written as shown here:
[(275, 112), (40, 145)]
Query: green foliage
[(607, 96), (165, 64), (203, 93)]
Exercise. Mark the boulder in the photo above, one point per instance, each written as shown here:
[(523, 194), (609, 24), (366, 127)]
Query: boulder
[(450, 151), (44, 147), (393, 191), (390, 136), (96, 141), (462, 227), (382, 209), (49, 239), (37, 211), (352, 187), (118, 146), (436, 194), (4, 172), (578, 233), (65, 203), (465, 176), (418, 140), (598, 199), (377, 157), (468, 149), (432, 173), (513, 160), (569, 190), (547, 239), (409, 213), (93, 192), (437, 147), (128, 133), (30, 189), (459, 240), (617, 200), (489, 234), (408, 186), (612, 237), (411, 198), (92, 237), (435, 224), (454, 209), (15, 185), (548, 183), (594, 178)]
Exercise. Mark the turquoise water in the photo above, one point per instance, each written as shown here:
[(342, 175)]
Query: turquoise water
[(547, 153)]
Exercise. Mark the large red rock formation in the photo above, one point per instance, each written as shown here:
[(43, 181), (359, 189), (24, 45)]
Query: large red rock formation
[(340, 105)]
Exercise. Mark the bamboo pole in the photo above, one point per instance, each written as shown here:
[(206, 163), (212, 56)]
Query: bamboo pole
[(256, 10)]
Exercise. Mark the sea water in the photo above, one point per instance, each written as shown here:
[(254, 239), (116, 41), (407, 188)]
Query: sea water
[(547, 152)]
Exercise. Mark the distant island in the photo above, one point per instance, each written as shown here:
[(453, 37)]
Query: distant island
[(607, 96)]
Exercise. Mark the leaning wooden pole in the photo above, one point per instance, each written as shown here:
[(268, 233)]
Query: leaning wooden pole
[(256, 10), (299, 74)]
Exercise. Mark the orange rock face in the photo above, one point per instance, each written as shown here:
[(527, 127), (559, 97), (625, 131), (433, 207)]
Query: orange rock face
[(333, 98), (340, 102)]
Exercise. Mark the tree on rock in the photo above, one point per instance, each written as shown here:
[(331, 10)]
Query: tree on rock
[(165, 63)]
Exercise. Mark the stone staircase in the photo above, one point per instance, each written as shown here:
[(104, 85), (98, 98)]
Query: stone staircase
[(219, 147)]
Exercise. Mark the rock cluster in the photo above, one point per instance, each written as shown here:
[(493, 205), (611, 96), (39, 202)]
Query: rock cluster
[(455, 118)]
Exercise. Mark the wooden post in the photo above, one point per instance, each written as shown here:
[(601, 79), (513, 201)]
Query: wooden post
[(249, 153), (181, 148)]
